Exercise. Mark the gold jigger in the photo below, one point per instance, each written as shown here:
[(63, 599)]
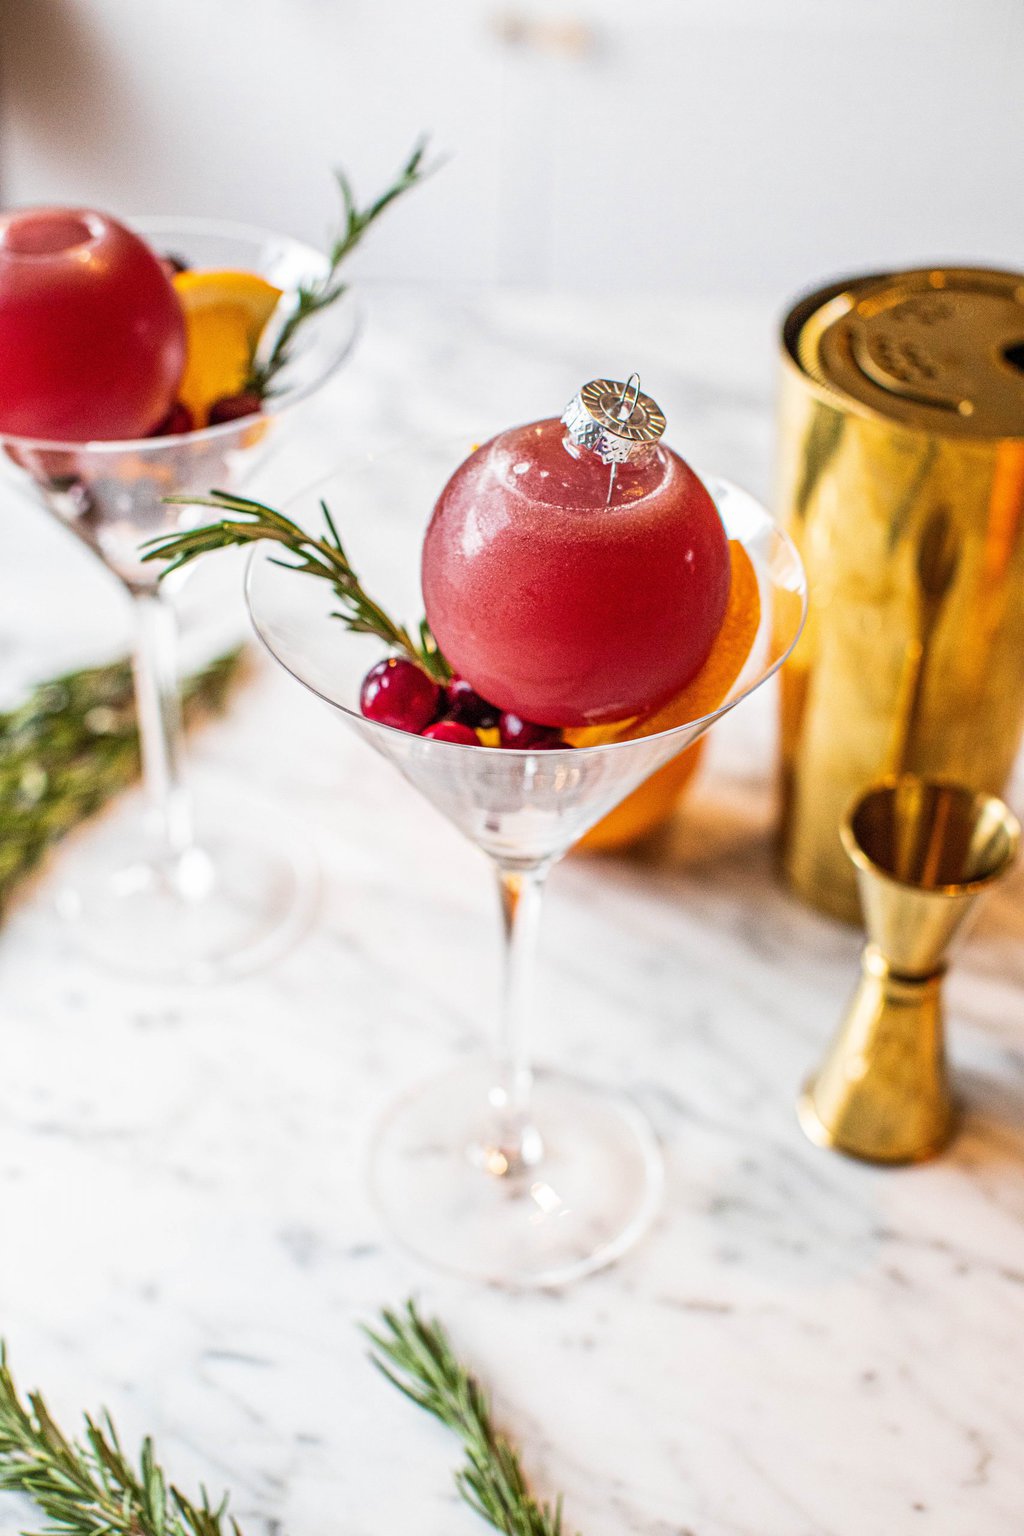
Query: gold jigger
[(923, 851)]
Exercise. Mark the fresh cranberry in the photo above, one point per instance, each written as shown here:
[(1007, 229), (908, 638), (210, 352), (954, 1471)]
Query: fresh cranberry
[(234, 407), (516, 732), (397, 692), (452, 730), (468, 706), (178, 419)]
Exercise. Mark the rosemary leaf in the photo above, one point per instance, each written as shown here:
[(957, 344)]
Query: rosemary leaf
[(251, 522), (70, 746), (416, 1356), (310, 299), (89, 1488)]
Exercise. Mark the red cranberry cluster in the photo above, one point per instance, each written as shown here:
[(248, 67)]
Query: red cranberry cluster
[(228, 408), (397, 692)]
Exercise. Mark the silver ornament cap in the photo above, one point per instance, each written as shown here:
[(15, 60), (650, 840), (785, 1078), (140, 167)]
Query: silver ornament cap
[(614, 420)]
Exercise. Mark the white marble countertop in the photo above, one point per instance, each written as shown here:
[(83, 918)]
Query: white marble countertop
[(801, 1347)]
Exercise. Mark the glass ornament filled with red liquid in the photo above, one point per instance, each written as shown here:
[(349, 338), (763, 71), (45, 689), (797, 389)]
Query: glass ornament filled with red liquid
[(576, 570)]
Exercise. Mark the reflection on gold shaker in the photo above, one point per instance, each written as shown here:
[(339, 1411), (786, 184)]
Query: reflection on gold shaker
[(902, 483)]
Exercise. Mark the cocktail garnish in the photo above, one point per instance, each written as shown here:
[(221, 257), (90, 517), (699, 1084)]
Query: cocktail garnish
[(91, 332), (308, 299), (567, 595), (252, 522)]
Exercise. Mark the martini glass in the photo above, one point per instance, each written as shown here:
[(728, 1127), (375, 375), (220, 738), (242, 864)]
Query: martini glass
[(496, 1170), (177, 896)]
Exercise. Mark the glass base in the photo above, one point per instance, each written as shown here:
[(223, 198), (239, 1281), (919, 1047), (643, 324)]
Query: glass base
[(231, 904), (589, 1196)]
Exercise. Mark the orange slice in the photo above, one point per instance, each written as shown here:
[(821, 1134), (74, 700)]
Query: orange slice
[(647, 807), (225, 313), (653, 801)]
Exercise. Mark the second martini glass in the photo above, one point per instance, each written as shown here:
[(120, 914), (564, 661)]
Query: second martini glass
[(496, 1170), (181, 896)]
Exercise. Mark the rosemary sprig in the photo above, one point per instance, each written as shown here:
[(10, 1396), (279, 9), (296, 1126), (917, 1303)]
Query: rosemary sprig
[(70, 746), (253, 521), (416, 1356), (309, 299), (88, 1487)]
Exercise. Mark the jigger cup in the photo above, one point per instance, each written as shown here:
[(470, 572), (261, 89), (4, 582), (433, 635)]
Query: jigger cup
[(923, 851)]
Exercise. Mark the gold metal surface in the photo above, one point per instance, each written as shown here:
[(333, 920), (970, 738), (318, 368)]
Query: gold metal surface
[(937, 349), (902, 482), (923, 852)]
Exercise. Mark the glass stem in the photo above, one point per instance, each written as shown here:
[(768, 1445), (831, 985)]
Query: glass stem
[(158, 701), (515, 1141)]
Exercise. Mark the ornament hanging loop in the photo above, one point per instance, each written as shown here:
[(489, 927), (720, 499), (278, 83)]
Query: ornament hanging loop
[(616, 421), (632, 385)]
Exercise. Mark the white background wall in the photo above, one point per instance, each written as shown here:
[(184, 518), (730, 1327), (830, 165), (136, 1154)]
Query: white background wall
[(691, 145)]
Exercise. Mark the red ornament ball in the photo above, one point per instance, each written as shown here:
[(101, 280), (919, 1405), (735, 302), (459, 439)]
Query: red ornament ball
[(92, 336), (560, 606)]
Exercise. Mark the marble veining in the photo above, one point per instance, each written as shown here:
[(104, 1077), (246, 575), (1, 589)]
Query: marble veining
[(802, 1346)]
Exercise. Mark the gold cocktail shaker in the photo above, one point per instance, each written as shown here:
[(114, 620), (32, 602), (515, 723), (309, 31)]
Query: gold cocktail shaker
[(902, 484)]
